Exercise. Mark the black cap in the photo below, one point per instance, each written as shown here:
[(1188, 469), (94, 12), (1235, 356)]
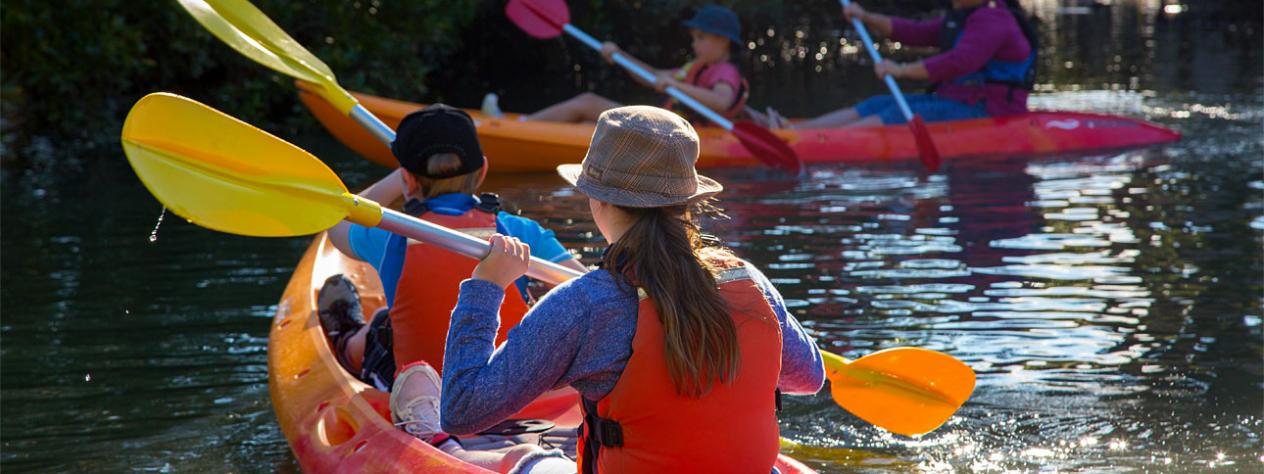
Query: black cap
[(433, 130)]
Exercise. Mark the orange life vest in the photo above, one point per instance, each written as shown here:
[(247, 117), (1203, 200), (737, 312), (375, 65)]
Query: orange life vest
[(693, 75), (643, 425), (428, 288)]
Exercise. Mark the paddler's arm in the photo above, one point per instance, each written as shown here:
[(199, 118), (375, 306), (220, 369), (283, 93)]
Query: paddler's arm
[(878, 23), (482, 384), (607, 51), (384, 191), (802, 369), (574, 264), (910, 32), (718, 98), (983, 35), (913, 70), (543, 242)]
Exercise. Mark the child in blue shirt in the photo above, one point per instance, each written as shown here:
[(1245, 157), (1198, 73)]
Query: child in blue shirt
[(442, 165)]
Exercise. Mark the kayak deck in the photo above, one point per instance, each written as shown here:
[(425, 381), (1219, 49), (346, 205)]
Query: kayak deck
[(514, 146), (334, 422)]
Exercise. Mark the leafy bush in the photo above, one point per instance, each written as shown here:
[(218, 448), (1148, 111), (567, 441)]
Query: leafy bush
[(73, 68)]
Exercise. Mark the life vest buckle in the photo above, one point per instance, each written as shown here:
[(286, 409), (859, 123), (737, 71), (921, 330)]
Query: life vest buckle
[(606, 431), (488, 202)]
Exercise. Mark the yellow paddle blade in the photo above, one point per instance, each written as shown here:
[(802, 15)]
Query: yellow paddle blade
[(246, 29), (904, 390), (224, 174)]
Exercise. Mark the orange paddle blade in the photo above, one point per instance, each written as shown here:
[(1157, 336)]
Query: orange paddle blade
[(904, 390), (768, 148), (542, 19), (925, 146)]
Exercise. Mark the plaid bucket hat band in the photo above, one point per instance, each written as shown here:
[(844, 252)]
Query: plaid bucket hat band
[(641, 156)]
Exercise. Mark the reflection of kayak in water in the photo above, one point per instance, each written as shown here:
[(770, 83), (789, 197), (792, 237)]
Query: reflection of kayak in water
[(516, 146), (335, 423)]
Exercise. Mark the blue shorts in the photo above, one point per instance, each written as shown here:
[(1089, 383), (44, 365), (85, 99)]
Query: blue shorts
[(932, 108)]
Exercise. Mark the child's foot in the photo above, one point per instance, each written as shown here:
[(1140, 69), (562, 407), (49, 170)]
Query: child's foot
[(338, 305), (775, 120), (415, 403), (491, 105)]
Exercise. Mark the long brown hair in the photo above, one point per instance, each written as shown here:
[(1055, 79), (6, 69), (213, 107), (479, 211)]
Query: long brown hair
[(663, 254)]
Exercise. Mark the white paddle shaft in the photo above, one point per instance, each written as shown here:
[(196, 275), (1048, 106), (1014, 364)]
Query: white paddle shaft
[(371, 123), (417, 229), (873, 53), (649, 77)]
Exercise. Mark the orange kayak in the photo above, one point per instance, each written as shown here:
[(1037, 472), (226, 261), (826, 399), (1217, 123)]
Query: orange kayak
[(335, 423), (514, 146)]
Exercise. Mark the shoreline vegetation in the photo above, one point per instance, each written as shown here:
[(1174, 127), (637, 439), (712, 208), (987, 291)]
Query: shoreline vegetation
[(71, 71)]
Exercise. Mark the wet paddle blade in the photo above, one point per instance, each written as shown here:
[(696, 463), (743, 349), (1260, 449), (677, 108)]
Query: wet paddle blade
[(904, 390), (768, 148), (224, 174), (926, 150), (542, 19), (249, 31)]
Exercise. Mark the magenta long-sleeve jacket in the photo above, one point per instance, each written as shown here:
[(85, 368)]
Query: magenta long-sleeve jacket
[(990, 33)]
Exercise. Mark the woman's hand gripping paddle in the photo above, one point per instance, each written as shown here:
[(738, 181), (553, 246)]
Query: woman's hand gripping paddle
[(546, 19), (224, 174), (925, 146), (246, 29)]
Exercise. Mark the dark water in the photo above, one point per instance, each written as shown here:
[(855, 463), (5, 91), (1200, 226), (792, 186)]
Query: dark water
[(1110, 303)]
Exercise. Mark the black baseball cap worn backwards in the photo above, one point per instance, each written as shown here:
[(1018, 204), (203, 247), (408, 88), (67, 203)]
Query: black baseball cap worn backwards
[(434, 130)]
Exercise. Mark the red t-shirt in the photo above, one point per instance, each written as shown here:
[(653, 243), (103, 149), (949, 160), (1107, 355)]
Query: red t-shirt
[(715, 74)]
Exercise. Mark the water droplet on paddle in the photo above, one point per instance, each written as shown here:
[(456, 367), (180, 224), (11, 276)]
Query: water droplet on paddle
[(153, 235)]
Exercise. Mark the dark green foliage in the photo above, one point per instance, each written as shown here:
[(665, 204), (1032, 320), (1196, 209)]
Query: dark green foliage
[(73, 68)]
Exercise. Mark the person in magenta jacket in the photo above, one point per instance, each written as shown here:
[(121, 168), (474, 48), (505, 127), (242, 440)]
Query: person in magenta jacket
[(986, 66)]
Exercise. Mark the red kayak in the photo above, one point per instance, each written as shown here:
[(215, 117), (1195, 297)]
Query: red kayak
[(516, 146)]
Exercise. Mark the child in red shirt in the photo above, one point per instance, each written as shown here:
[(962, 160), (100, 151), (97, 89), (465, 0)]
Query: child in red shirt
[(711, 78)]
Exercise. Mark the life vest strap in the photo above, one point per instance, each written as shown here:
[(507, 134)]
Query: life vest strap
[(954, 27), (727, 275), (488, 202), (606, 432)]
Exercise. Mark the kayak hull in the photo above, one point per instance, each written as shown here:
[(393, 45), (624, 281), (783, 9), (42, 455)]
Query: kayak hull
[(335, 423), (514, 146)]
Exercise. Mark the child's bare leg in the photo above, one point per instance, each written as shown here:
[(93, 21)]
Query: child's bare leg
[(586, 107), (870, 121), (837, 118), (353, 353)]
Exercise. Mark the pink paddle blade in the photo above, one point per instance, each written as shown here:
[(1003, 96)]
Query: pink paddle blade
[(542, 19), (925, 146), (768, 148)]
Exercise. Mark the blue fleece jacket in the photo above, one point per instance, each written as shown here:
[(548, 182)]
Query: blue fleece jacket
[(579, 334)]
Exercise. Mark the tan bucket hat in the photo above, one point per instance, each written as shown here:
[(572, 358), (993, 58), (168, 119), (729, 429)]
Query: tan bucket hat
[(641, 156)]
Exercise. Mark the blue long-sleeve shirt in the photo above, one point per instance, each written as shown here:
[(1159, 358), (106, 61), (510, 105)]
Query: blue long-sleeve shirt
[(580, 334)]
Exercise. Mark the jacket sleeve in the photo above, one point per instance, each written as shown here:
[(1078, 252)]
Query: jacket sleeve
[(482, 384), (802, 370), (982, 36), (923, 33)]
